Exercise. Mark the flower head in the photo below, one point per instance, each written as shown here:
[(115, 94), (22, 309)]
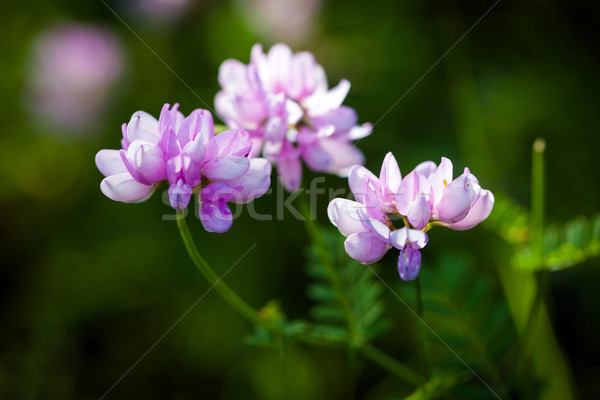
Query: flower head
[(426, 197), (186, 153), (282, 99)]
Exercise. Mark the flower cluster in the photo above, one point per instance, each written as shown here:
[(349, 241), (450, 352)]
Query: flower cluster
[(426, 197), (282, 99), (185, 152)]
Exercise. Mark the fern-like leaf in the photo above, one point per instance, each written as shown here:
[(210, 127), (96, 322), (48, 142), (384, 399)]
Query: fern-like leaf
[(351, 310)]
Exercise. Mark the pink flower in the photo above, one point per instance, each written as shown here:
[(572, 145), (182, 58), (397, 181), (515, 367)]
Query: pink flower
[(282, 99), (73, 72), (186, 153), (426, 197)]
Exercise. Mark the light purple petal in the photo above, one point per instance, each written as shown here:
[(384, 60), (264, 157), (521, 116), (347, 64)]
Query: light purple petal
[(275, 129), (390, 179), (359, 132), (330, 100), (254, 183), (233, 76), (356, 178), (399, 237), (365, 248), (122, 187), (179, 195), (195, 150), (317, 157), (342, 119), (109, 162), (293, 111), (148, 161), (419, 212), (412, 185), (279, 58), (215, 216), (143, 126), (440, 179), (345, 155), (189, 128), (480, 210), (404, 237), (427, 169), (409, 264), (376, 227), (417, 239), (226, 168), (344, 214), (456, 200), (289, 169), (228, 143)]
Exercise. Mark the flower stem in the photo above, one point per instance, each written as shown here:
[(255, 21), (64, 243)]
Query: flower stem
[(397, 368), (246, 311), (422, 336), (537, 196), (220, 286)]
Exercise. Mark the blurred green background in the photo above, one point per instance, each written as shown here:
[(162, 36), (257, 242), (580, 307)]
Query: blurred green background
[(88, 285)]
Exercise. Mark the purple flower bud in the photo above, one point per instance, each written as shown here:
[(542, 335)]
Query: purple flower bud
[(409, 264), (179, 195)]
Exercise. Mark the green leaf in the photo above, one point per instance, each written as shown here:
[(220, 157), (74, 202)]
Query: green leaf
[(575, 242), (359, 290)]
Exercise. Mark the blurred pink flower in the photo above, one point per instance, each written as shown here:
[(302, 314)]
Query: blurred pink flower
[(426, 197), (282, 99), (74, 67), (288, 20), (185, 152)]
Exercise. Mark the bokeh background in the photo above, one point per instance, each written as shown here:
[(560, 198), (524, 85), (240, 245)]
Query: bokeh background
[(88, 285)]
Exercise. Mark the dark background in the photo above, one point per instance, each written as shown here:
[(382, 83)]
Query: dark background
[(87, 285)]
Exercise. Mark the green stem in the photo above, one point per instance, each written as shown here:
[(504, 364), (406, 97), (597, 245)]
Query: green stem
[(328, 264), (398, 369), (537, 197), (246, 311), (422, 337), (220, 286)]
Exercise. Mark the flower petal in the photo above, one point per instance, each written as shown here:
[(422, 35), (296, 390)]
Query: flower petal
[(226, 168), (179, 195), (412, 185), (390, 179), (359, 132), (253, 183), (356, 178), (419, 212), (376, 227), (109, 162), (229, 143), (480, 210), (344, 214), (456, 200), (143, 126), (365, 248), (122, 187), (409, 264), (439, 179), (427, 169), (289, 169), (215, 216)]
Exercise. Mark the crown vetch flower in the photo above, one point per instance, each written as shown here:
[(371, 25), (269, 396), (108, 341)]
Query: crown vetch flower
[(186, 153), (282, 99), (426, 197)]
